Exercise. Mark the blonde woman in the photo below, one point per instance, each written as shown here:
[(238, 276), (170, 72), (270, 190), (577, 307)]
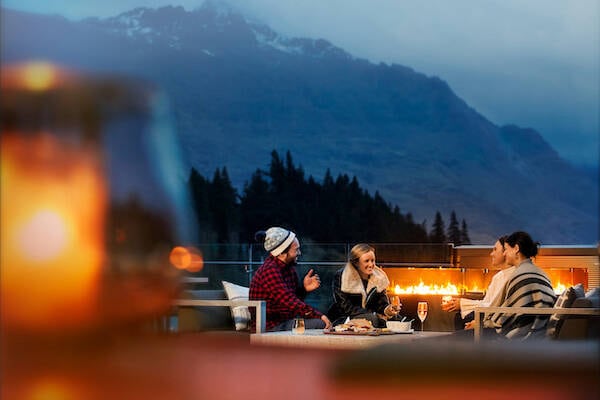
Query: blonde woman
[(359, 289)]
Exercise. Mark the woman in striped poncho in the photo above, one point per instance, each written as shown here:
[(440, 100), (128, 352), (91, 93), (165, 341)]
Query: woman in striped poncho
[(528, 286)]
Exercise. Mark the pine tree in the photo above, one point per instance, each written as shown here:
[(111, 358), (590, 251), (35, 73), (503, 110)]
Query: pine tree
[(294, 193), (328, 179), (438, 234), (199, 191), (464, 234), (277, 173), (453, 232), (255, 207), (224, 206), (314, 206), (336, 210), (327, 210)]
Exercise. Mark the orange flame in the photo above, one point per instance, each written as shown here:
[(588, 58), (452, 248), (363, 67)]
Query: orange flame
[(423, 288), (450, 289), (560, 287)]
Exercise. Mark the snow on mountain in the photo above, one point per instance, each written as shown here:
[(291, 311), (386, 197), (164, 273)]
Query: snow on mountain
[(173, 26)]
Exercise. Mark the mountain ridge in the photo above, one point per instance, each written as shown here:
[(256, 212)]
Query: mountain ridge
[(402, 133)]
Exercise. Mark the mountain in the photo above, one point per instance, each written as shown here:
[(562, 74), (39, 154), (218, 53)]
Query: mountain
[(239, 90)]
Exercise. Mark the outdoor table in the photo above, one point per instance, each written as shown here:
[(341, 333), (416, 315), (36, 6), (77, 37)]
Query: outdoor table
[(319, 339)]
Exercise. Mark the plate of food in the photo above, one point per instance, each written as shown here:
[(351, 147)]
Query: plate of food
[(357, 326)]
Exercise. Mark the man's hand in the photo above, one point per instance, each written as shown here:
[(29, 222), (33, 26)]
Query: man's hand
[(327, 321), (311, 281)]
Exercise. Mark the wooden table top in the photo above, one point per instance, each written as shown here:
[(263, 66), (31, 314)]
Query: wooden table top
[(316, 338)]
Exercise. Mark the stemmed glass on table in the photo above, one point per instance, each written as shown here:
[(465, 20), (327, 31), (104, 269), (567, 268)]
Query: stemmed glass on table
[(422, 312), (395, 302)]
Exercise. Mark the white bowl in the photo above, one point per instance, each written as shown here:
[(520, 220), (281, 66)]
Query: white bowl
[(398, 326)]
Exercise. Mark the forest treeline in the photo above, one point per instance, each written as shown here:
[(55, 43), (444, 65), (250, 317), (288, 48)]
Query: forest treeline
[(335, 210)]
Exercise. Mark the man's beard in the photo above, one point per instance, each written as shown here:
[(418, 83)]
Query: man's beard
[(291, 261)]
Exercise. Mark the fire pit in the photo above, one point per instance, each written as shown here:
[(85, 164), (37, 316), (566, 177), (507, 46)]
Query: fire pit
[(464, 271)]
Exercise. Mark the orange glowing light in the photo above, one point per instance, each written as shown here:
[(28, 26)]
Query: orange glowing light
[(187, 258), (33, 239), (180, 257), (54, 389), (39, 75), (52, 225), (422, 288), (197, 261), (34, 76), (475, 289), (560, 287), (449, 289)]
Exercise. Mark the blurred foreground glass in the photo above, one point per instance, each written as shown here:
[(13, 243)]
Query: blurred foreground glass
[(93, 202)]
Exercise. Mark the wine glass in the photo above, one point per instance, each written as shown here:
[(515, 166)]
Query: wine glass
[(422, 312), (395, 302)]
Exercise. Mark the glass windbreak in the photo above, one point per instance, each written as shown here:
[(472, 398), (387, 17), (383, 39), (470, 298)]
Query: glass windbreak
[(413, 269), (562, 278), (476, 280)]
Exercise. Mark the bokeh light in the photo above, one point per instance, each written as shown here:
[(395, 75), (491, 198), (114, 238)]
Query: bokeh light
[(39, 75), (180, 257), (187, 258), (53, 389), (43, 237)]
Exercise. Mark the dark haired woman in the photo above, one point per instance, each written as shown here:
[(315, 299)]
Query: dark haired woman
[(528, 286), (359, 289)]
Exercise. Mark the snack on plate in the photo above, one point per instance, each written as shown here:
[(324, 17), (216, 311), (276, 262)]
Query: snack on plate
[(357, 325)]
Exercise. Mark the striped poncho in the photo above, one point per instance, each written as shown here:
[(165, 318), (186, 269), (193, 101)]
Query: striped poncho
[(528, 286)]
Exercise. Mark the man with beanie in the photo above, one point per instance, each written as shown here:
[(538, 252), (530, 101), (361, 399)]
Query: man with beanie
[(276, 282)]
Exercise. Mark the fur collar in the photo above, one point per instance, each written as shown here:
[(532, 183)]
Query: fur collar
[(351, 282)]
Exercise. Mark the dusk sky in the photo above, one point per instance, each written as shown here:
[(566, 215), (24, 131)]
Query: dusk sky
[(534, 63)]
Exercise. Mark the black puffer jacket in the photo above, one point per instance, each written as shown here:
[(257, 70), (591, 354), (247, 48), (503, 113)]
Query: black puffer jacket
[(350, 296)]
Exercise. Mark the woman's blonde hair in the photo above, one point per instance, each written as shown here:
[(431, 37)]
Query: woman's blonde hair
[(357, 251)]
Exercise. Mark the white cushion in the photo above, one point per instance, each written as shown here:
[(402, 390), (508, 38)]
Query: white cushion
[(241, 314)]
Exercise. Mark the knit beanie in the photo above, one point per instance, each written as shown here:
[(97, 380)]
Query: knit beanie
[(278, 239)]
